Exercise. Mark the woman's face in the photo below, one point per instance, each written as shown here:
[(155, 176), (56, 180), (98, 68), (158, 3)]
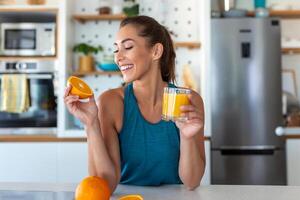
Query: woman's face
[(132, 54)]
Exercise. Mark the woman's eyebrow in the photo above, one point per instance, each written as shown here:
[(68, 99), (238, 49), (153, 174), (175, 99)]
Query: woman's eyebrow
[(125, 40)]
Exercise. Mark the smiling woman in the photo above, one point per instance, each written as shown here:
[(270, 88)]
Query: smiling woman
[(128, 141)]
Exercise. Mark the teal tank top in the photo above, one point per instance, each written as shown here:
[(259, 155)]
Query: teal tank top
[(149, 152)]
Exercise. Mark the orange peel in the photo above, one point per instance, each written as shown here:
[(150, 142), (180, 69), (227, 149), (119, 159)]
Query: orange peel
[(131, 197)]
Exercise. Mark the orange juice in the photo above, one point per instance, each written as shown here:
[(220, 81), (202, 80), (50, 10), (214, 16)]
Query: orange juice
[(173, 98)]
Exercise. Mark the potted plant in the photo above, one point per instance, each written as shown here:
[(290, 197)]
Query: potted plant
[(86, 61), (131, 8)]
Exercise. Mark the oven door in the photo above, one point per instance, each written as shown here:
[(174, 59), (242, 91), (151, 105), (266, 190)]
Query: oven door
[(42, 112)]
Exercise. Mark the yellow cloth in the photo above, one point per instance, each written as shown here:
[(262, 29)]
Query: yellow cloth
[(14, 93)]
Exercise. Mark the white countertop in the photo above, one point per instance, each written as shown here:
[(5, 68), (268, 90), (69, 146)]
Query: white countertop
[(168, 192)]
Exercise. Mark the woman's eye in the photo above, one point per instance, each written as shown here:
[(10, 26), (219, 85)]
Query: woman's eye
[(127, 48), (116, 51)]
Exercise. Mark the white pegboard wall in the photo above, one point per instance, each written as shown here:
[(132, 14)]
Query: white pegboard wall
[(180, 17), (86, 6)]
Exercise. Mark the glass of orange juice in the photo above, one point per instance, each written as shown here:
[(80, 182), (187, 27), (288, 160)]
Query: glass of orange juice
[(173, 98)]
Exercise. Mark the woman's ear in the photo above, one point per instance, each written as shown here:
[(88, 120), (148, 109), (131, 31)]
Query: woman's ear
[(157, 51)]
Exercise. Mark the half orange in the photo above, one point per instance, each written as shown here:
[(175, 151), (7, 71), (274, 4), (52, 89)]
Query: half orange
[(79, 87), (131, 197)]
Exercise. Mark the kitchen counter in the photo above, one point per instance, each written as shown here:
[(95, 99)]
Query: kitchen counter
[(45, 138), (54, 138), (35, 191)]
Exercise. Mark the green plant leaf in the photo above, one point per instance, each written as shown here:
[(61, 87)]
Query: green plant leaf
[(87, 49)]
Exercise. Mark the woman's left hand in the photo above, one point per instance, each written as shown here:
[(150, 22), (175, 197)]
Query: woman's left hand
[(195, 116)]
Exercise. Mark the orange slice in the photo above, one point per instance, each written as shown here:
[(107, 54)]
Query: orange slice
[(131, 197), (79, 87)]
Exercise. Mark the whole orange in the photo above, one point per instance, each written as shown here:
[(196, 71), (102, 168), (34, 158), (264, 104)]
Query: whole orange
[(92, 188)]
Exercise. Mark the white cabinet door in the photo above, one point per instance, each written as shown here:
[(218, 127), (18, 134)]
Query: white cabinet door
[(293, 162), (72, 162), (28, 162), (206, 177)]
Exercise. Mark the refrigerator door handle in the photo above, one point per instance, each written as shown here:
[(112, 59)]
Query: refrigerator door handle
[(248, 150)]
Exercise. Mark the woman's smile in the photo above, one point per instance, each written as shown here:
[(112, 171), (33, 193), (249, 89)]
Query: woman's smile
[(126, 67)]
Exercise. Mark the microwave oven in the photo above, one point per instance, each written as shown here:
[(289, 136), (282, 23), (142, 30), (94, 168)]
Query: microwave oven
[(28, 39)]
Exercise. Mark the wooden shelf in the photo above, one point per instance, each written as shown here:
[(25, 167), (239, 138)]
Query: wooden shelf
[(290, 50), (39, 138), (7, 58), (28, 8), (292, 136), (290, 14), (4, 58), (84, 18), (111, 73), (189, 45)]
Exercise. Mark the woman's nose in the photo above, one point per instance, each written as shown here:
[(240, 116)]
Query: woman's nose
[(119, 56)]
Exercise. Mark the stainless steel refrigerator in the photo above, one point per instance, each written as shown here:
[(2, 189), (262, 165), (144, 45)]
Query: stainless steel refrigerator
[(246, 102)]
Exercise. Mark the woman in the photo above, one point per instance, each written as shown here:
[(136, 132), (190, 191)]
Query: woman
[(127, 140)]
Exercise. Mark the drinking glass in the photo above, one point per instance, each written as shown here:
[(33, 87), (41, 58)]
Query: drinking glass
[(173, 98)]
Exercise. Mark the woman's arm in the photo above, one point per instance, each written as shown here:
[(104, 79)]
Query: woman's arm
[(192, 153), (103, 143), (192, 160)]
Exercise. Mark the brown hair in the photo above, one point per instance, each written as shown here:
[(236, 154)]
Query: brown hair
[(156, 33)]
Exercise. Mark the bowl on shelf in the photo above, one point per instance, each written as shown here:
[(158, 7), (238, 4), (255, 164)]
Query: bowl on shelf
[(108, 66)]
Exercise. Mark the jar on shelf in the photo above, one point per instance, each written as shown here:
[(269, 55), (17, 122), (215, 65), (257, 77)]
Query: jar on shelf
[(104, 7)]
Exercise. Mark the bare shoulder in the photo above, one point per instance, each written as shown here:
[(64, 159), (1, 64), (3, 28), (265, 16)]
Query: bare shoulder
[(111, 97), (111, 106)]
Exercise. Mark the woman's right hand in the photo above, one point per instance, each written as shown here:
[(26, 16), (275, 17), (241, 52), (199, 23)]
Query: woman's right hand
[(86, 112)]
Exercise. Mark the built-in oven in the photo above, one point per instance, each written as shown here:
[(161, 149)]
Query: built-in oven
[(40, 117), (28, 39)]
